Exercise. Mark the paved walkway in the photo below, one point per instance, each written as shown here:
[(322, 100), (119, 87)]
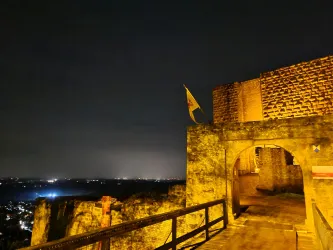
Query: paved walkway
[(271, 222), (257, 235)]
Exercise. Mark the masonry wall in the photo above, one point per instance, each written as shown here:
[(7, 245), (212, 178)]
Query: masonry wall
[(249, 101), (225, 103), (266, 174), (304, 89), (248, 184), (287, 178), (296, 135), (247, 161), (275, 175), (238, 102), (206, 175)]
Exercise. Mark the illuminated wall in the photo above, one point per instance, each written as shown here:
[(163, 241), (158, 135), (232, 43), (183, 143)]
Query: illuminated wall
[(304, 89), (212, 151), (206, 176), (276, 175), (239, 101), (225, 103), (247, 162), (249, 101)]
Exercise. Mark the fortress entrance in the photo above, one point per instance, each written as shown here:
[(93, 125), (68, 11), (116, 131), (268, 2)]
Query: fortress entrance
[(268, 181), (271, 142), (302, 143)]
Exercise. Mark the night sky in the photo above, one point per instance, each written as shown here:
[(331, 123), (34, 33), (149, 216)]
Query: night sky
[(95, 89)]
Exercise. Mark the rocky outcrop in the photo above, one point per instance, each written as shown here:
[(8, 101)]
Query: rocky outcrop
[(41, 222), (66, 216), (144, 205)]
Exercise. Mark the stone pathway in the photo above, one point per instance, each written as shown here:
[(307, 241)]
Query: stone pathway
[(273, 223)]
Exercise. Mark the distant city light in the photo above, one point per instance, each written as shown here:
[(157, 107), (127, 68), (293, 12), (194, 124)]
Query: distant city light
[(52, 195), (52, 180), (49, 195)]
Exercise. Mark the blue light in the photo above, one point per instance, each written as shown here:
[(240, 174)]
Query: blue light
[(52, 195)]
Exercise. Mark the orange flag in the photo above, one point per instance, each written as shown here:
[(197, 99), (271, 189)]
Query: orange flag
[(192, 104)]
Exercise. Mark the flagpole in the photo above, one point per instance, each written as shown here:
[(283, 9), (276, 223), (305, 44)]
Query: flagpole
[(205, 115)]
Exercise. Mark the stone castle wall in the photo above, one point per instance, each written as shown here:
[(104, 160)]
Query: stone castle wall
[(248, 184), (225, 103), (205, 178), (276, 175), (247, 162), (266, 175), (213, 149), (249, 101), (304, 89)]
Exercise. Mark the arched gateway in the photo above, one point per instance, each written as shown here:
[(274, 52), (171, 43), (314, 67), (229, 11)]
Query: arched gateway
[(213, 149), (292, 108)]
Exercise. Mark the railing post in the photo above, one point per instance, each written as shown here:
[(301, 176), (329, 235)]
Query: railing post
[(105, 244), (206, 222), (225, 214), (174, 233)]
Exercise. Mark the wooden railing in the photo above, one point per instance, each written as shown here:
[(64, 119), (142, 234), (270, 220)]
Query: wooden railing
[(104, 234)]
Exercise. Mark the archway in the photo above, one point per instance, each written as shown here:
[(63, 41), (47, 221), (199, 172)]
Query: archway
[(212, 151), (268, 175)]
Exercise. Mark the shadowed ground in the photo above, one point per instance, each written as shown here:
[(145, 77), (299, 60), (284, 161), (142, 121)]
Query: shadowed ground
[(283, 208)]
